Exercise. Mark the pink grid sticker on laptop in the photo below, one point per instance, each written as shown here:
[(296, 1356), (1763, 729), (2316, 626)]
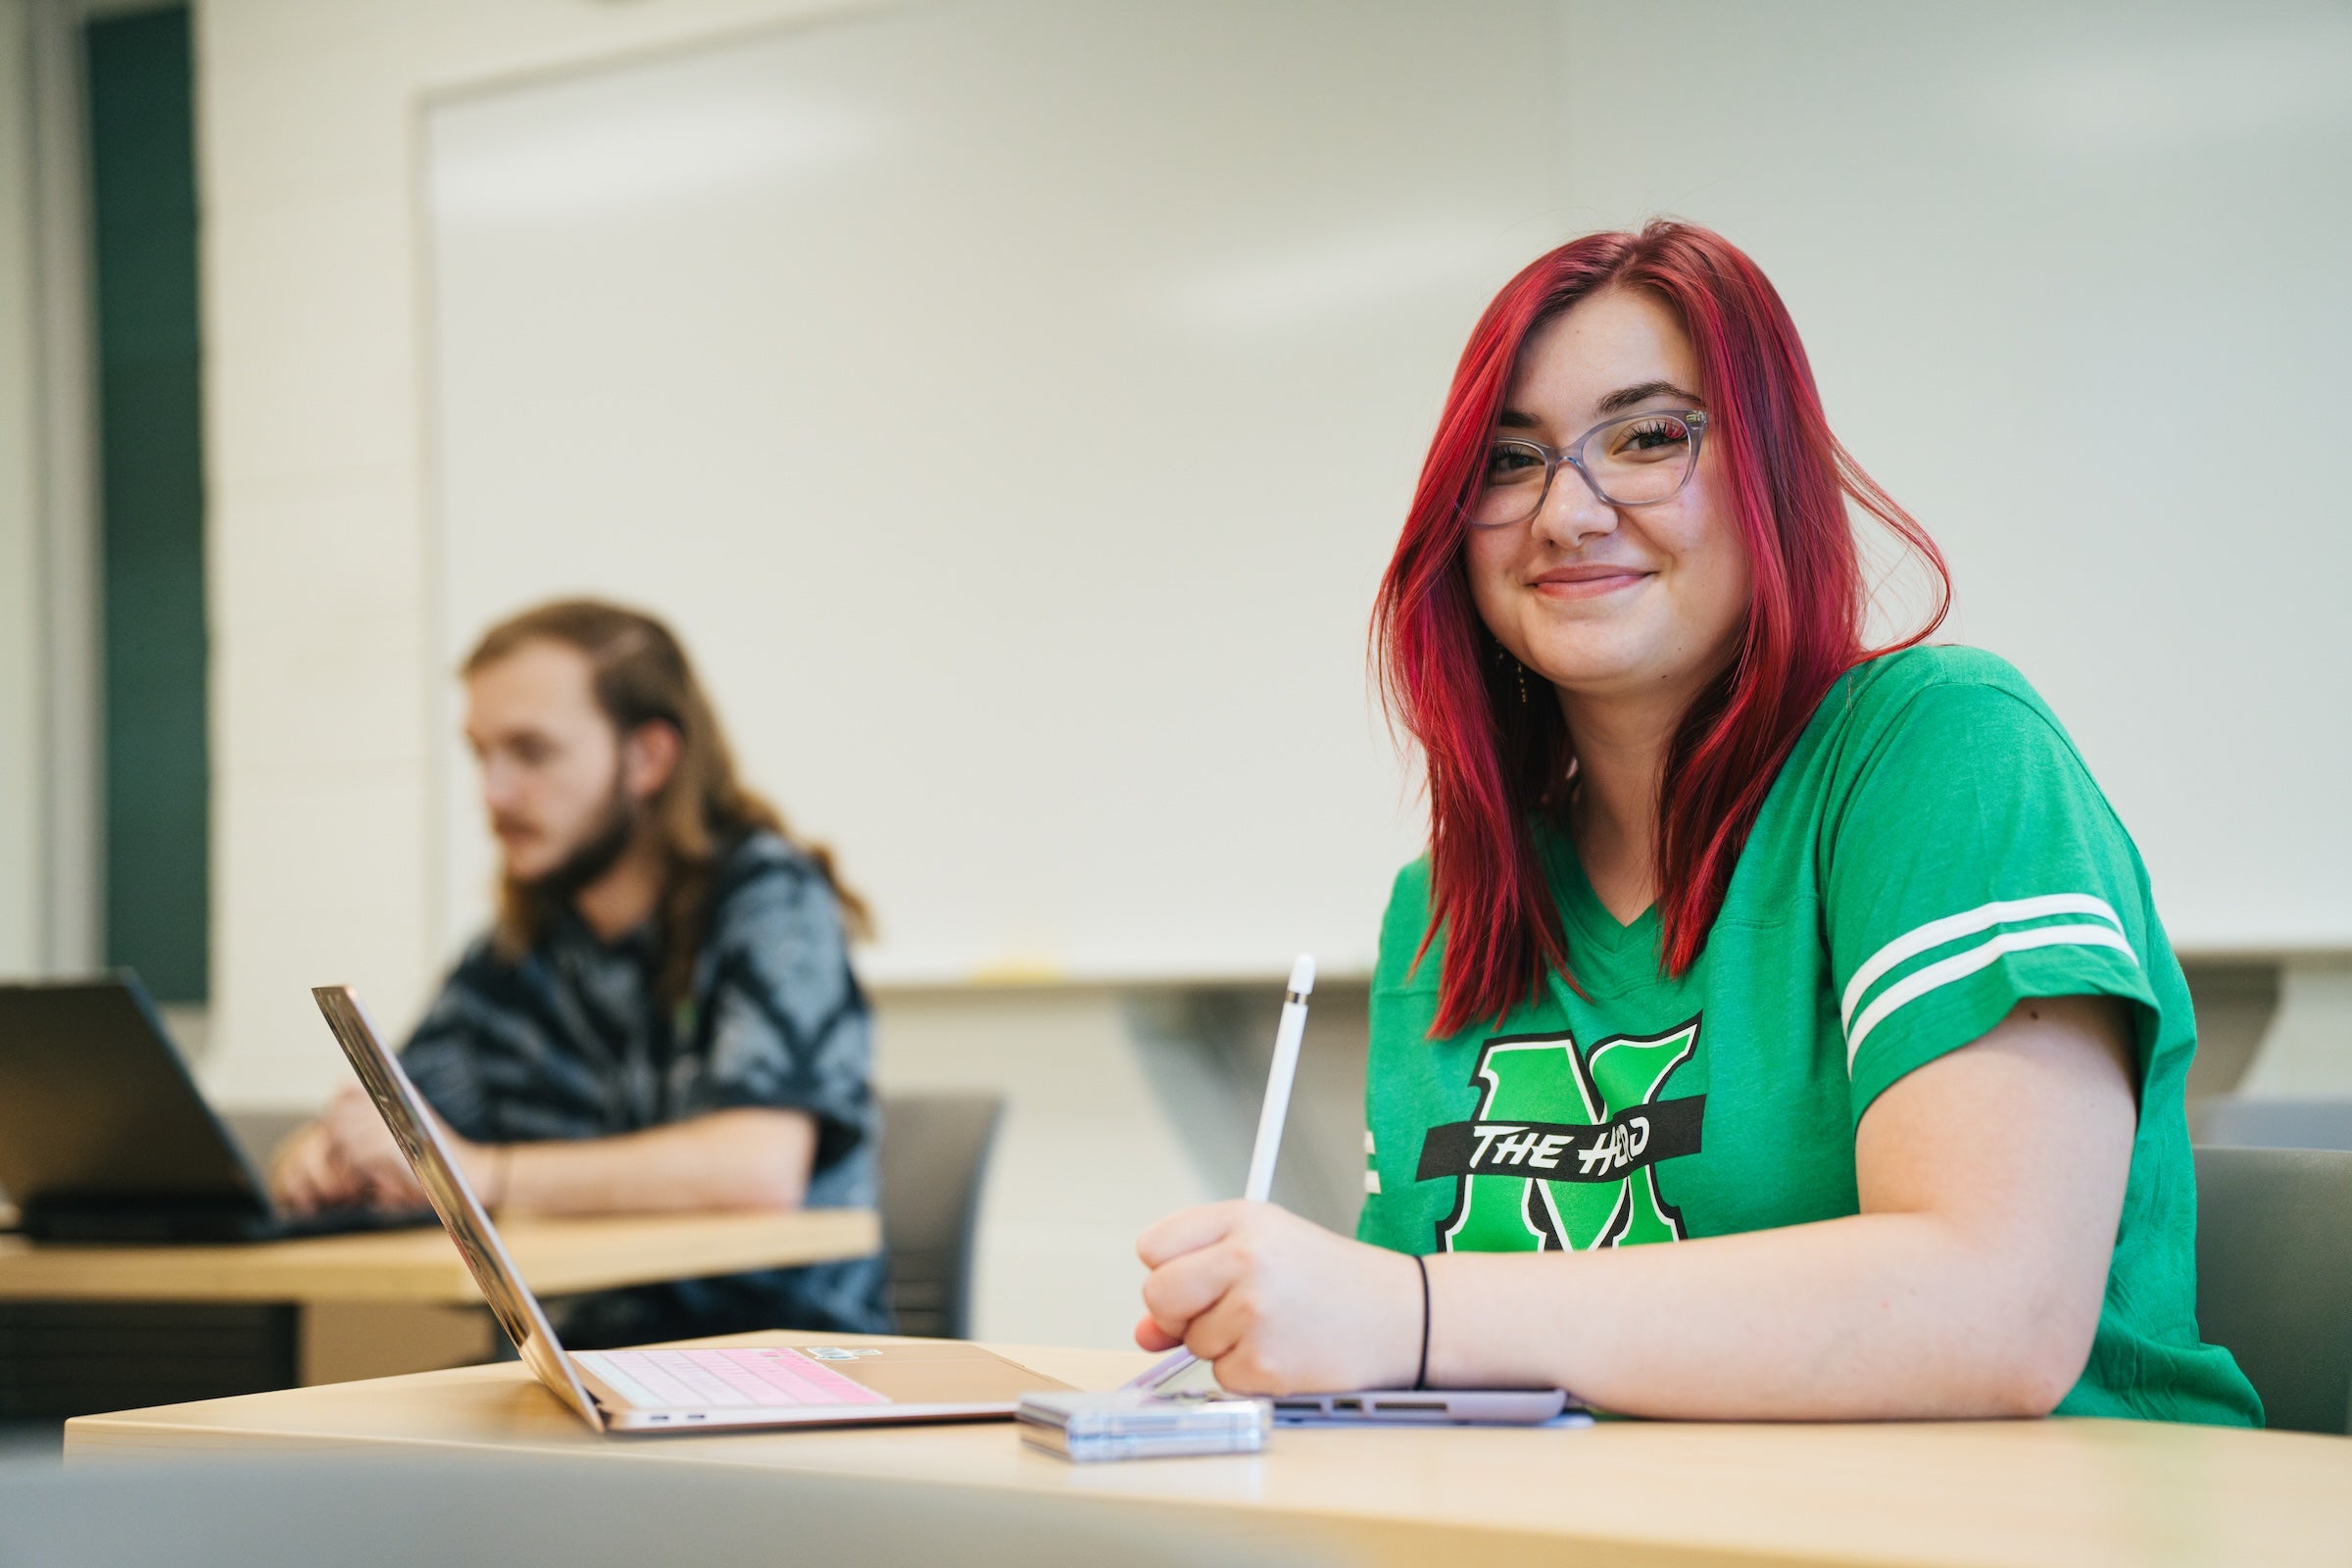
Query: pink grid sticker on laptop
[(787, 1377), (762, 1376)]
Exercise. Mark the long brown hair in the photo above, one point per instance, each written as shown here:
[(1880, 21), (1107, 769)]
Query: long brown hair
[(642, 676)]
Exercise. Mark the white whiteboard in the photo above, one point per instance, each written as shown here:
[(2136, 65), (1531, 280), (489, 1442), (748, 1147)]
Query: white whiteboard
[(1014, 405)]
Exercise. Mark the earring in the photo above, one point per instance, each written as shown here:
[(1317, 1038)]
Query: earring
[(1503, 656)]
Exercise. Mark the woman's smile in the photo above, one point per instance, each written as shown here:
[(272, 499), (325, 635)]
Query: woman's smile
[(1591, 579)]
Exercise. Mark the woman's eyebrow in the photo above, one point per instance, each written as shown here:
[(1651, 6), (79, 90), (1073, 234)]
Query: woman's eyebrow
[(1516, 420), (1625, 398)]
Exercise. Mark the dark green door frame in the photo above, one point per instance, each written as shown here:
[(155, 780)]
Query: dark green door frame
[(151, 509)]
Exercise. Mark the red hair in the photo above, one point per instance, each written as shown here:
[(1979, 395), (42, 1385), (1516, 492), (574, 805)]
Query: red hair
[(1496, 765)]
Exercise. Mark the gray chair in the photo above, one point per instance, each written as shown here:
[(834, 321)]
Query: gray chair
[(2275, 1277), (2245, 1122), (934, 1157)]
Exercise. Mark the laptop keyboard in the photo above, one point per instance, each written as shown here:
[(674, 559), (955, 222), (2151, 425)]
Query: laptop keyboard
[(721, 1380)]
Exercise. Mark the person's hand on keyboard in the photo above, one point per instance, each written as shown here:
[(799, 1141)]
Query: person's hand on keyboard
[(309, 1173)]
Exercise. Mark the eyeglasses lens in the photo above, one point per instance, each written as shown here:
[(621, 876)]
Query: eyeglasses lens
[(1633, 462)]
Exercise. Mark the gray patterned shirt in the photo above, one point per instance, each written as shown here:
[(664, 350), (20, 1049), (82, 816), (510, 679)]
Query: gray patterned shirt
[(574, 1042)]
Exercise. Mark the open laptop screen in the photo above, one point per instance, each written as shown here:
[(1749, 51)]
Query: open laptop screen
[(419, 1137), (98, 1112)]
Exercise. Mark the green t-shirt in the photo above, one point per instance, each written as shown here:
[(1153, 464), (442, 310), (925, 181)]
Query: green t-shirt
[(1933, 852)]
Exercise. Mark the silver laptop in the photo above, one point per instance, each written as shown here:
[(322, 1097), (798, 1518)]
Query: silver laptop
[(676, 1390)]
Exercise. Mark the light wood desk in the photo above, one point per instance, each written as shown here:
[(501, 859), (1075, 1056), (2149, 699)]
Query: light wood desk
[(2073, 1492), (421, 1267), (390, 1301)]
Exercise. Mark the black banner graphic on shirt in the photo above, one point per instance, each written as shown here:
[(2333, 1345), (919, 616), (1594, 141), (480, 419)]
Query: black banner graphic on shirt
[(1566, 1146), (1561, 1152)]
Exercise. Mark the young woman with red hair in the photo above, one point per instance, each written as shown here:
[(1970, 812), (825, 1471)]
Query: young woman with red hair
[(1827, 965)]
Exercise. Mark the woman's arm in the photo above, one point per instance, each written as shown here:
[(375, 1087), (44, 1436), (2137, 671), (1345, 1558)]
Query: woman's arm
[(1991, 1183)]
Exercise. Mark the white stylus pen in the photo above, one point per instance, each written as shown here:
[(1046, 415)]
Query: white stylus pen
[(1271, 1113), (1276, 1106)]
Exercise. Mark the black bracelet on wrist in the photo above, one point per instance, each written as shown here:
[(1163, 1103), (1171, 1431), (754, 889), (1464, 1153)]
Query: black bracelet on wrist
[(1421, 1373)]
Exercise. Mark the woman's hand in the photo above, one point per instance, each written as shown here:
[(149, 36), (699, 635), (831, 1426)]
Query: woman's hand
[(1277, 1304)]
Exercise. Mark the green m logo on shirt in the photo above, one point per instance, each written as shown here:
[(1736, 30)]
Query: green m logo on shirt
[(1564, 1151)]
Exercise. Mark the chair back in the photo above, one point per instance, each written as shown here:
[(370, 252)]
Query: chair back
[(2244, 1121), (2275, 1277), (934, 1155)]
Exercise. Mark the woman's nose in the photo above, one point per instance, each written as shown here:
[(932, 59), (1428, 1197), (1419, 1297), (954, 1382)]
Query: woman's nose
[(1572, 512)]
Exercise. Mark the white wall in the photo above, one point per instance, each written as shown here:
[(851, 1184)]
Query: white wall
[(51, 876), (21, 874)]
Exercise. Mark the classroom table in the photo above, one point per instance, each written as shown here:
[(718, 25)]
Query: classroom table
[(2012, 1492), (420, 1265), (331, 1307)]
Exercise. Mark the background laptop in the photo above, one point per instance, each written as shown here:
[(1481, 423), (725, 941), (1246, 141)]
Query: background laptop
[(104, 1136), (676, 1390)]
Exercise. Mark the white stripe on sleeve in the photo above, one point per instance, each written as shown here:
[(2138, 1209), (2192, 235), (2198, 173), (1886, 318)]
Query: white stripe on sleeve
[(1961, 965), (1952, 927)]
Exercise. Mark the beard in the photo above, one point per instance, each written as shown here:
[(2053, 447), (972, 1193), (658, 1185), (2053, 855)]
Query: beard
[(594, 856)]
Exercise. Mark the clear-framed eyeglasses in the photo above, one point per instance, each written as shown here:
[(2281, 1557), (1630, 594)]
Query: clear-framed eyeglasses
[(1638, 459)]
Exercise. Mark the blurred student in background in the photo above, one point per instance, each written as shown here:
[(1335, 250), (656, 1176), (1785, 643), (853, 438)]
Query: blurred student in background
[(664, 1016)]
